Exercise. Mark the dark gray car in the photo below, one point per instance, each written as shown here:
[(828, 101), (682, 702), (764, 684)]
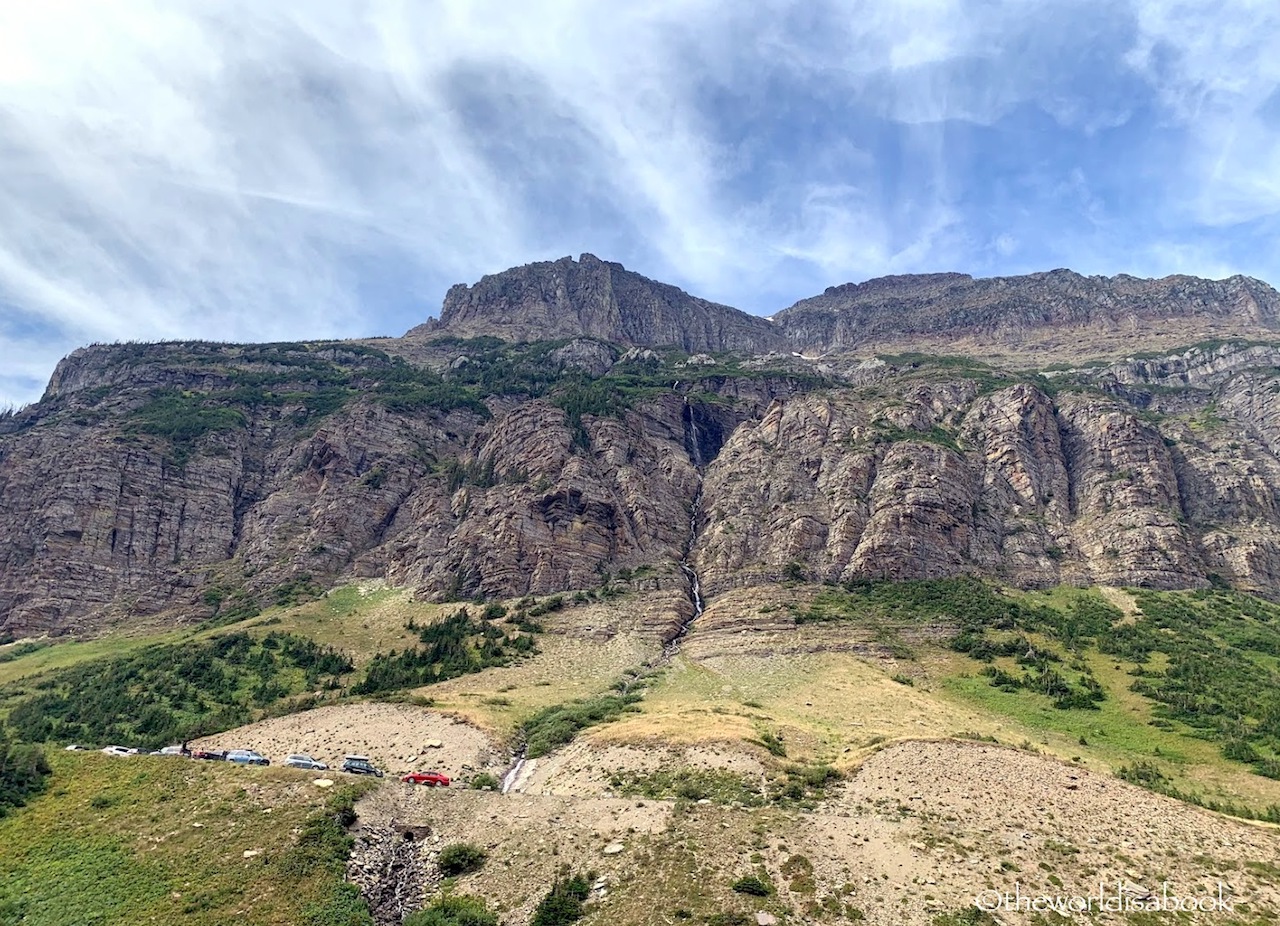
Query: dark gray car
[(360, 765)]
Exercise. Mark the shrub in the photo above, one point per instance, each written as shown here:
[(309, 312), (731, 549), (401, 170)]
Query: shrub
[(342, 906), (23, 773), (485, 780), (753, 885), (563, 904), (456, 910), (167, 693), (556, 725), (461, 858)]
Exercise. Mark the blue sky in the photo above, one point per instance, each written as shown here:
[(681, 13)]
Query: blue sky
[(275, 170)]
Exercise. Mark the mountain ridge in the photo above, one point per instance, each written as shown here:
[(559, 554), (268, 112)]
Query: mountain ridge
[(171, 477), (602, 299)]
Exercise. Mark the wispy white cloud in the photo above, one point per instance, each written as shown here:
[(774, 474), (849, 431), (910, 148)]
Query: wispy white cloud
[(1216, 71), (271, 170)]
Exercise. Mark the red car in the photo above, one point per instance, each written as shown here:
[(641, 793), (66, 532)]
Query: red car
[(427, 778)]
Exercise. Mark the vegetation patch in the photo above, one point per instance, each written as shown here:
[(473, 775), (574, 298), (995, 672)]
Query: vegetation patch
[(719, 786), (168, 693), (457, 645), (1221, 672), (754, 885), (566, 901), (24, 771), (559, 724), (461, 858), (184, 419), (454, 910), (142, 840)]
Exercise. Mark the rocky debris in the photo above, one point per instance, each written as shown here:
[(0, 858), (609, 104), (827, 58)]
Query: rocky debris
[(388, 733), (387, 863), (979, 814)]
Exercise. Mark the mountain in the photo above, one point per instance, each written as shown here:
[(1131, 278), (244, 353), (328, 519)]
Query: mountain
[(196, 478), (1017, 309), (839, 634), (593, 298)]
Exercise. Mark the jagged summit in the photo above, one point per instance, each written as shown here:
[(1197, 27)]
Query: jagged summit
[(590, 297)]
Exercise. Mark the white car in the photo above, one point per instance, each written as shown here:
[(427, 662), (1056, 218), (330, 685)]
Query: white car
[(116, 751)]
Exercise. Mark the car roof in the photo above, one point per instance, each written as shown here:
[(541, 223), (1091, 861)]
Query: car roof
[(357, 758)]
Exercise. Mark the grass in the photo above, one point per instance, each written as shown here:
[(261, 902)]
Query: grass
[(61, 654), (123, 841), (362, 620)]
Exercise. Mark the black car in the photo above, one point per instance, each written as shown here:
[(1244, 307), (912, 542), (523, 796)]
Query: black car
[(360, 765)]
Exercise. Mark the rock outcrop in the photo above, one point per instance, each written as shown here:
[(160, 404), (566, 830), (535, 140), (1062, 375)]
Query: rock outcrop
[(593, 298), (896, 308)]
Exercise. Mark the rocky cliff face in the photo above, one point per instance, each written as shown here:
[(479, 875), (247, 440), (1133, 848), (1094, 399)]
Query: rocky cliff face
[(898, 307), (187, 478), (597, 299)]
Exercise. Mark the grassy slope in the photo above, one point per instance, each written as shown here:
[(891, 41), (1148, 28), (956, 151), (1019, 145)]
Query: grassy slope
[(159, 840), (829, 706), (837, 707)]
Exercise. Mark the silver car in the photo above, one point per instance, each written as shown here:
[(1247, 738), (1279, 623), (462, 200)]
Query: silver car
[(302, 760), (247, 757)]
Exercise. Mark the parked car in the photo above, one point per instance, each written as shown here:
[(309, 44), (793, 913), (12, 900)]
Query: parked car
[(115, 751), (302, 760), (75, 747), (247, 757), (360, 765), (211, 754), (169, 751), (427, 778)]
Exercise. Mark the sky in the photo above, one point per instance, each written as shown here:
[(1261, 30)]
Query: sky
[(272, 170)]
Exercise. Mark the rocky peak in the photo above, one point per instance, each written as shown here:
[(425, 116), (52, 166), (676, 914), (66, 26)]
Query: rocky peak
[(599, 299)]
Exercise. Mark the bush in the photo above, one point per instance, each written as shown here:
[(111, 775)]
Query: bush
[(554, 726), (564, 902), (457, 910), (753, 885), (343, 906), (455, 646), (485, 780), (461, 858), (23, 773)]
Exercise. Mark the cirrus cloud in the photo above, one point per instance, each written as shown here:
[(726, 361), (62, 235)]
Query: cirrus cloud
[(272, 170)]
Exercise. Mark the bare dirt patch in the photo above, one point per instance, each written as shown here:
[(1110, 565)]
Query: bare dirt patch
[(394, 736)]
